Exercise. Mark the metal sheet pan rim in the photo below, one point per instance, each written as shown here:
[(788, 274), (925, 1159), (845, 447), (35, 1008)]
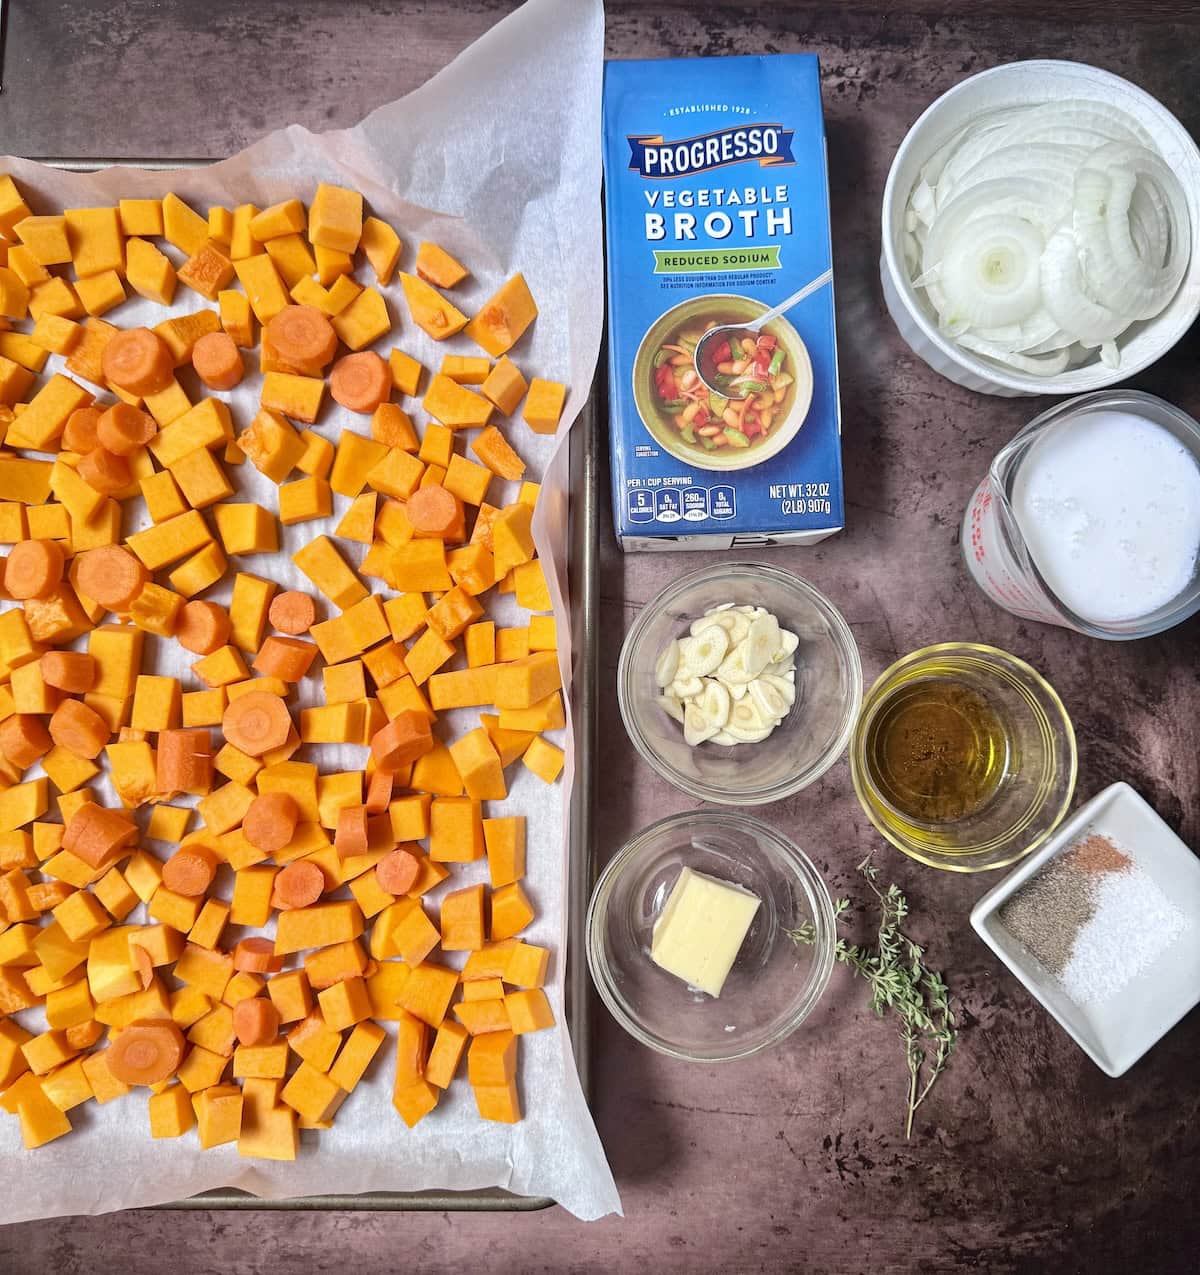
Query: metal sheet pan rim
[(582, 572)]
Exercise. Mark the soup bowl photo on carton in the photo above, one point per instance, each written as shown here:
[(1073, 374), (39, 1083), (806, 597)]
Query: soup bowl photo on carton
[(725, 309), (1030, 84)]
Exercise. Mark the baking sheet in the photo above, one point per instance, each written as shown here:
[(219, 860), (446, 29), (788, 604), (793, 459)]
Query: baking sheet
[(496, 158)]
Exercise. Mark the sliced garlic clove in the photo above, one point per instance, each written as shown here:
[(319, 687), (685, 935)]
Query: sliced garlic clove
[(782, 686), (788, 642), (672, 707), (736, 689), (715, 704), (748, 735), (746, 715), (769, 700), (696, 728), (685, 688), (724, 738), (667, 664), (732, 670), (761, 643), (701, 654)]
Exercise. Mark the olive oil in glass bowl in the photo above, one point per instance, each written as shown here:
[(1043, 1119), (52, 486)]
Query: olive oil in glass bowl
[(963, 757)]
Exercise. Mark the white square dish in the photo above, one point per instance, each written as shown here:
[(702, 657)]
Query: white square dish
[(1116, 1032)]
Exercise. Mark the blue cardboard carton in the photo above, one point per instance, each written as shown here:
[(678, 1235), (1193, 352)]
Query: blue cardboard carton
[(725, 430)]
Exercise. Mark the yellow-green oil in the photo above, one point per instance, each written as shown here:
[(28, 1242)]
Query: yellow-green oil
[(937, 751)]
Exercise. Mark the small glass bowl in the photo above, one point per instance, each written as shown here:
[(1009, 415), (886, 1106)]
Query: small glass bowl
[(775, 982), (1038, 778), (808, 740)]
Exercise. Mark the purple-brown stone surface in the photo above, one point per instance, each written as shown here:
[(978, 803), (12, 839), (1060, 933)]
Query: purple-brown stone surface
[(1026, 1157)]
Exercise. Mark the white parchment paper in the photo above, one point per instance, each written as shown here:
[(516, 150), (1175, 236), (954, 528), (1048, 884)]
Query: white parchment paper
[(497, 158)]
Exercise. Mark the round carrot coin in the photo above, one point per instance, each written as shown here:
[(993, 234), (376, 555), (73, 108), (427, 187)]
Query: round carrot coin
[(146, 1052), (257, 722), (122, 429), (137, 360), (360, 382), (270, 822), (202, 627), (292, 612), (255, 1021), (397, 872), (298, 885), (190, 871), (111, 576), (302, 336), (218, 361), (34, 568)]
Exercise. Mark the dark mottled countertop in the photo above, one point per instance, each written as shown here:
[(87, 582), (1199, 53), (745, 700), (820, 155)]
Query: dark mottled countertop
[(1026, 1157)]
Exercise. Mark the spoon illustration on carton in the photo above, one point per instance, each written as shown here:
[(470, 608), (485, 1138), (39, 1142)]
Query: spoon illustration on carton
[(708, 345)]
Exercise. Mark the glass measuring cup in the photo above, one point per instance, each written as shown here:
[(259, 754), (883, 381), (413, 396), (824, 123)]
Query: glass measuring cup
[(994, 549)]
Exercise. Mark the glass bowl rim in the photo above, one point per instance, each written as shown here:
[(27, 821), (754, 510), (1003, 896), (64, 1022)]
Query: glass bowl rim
[(842, 637), (817, 895), (1063, 719)]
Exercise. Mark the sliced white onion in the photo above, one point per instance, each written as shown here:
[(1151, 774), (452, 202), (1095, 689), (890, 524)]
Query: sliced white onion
[(990, 271), (1039, 234)]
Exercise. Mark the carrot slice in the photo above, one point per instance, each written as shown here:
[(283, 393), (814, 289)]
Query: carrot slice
[(379, 792), (97, 834), (146, 1052), (302, 336), (298, 885), (79, 729), (218, 361), (34, 568), (138, 361), (24, 739), (122, 429), (257, 956), (360, 382), (203, 627), (80, 434), (71, 671), (288, 659), (257, 722), (190, 871), (351, 837), (111, 576), (434, 511), (255, 1020), (143, 962), (104, 471), (270, 822), (292, 612), (184, 760), (405, 738), (397, 872)]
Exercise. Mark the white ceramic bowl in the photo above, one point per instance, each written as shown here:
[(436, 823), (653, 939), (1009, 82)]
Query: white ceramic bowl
[(1014, 84), (1114, 1033)]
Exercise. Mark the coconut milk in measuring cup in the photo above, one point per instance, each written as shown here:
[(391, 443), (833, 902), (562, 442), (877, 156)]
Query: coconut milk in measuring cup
[(1090, 518)]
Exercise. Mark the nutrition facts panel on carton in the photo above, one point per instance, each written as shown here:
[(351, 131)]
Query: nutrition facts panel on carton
[(680, 504)]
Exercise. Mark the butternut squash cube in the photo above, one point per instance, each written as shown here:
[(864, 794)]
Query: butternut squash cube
[(454, 405), (544, 405), (479, 765), (492, 1058), (504, 386), (46, 239), (426, 994), (455, 830), (431, 311), (498, 1102), (406, 372), (511, 911), (171, 1113), (504, 317), (356, 1055), (413, 1102), (363, 321), (505, 841), (446, 1053), (285, 218), (208, 270), (498, 455), (529, 1010), (525, 682), (150, 272), (544, 759), (317, 926), (312, 1094), (218, 1115), (462, 920), (183, 226)]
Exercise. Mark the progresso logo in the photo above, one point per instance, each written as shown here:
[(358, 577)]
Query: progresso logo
[(766, 144)]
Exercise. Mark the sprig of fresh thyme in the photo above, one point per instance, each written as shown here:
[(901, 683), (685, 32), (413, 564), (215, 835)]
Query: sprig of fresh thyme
[(899, 980)]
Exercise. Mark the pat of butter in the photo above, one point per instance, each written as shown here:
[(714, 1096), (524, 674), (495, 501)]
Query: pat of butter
[(701, 929)]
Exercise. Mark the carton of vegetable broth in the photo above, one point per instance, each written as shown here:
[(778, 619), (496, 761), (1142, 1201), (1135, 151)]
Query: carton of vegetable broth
[(717, 210)]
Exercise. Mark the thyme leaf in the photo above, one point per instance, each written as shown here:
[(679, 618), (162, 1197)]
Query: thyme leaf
[(899, 982)]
